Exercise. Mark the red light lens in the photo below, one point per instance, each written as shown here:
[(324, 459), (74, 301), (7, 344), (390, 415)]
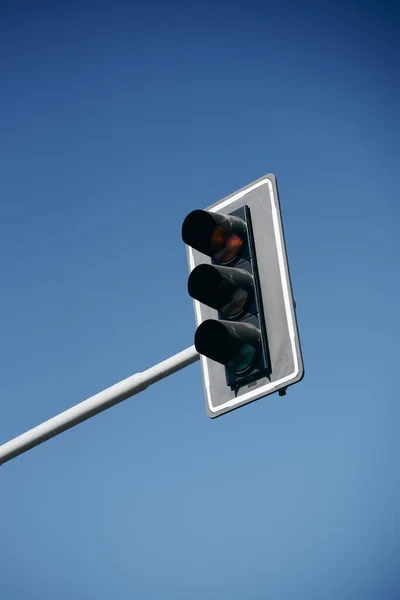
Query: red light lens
[(225, 246)]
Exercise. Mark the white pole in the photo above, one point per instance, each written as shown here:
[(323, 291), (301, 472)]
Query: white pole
[(92, 406)]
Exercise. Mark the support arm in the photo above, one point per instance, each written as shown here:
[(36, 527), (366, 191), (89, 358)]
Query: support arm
[(92, 406)]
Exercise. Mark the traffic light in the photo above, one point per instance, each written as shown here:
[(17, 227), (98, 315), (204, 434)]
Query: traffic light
[(247, 332), (229, 285)]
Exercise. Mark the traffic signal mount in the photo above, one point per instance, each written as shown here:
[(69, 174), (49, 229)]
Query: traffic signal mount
[(247, 334)]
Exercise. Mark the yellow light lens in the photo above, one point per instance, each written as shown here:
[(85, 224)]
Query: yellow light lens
[(236, 305)]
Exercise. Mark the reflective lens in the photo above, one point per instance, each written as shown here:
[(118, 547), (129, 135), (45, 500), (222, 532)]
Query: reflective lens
[(224, 245), (243, 360), (237, 304)]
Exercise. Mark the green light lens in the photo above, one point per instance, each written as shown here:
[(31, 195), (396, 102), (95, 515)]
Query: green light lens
[(243, 360)]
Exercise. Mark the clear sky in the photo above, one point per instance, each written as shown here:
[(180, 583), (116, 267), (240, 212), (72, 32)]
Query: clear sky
[(116, 120)]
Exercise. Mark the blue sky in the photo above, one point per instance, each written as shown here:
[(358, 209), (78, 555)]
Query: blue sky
[(116, 120)]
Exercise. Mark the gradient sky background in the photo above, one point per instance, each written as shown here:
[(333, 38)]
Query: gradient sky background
[(115, 121)]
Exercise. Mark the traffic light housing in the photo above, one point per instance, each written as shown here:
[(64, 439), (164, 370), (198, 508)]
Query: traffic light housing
[(239, 279), (229, 285)]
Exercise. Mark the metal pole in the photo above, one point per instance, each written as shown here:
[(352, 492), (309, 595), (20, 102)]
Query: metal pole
[(92, 406)]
